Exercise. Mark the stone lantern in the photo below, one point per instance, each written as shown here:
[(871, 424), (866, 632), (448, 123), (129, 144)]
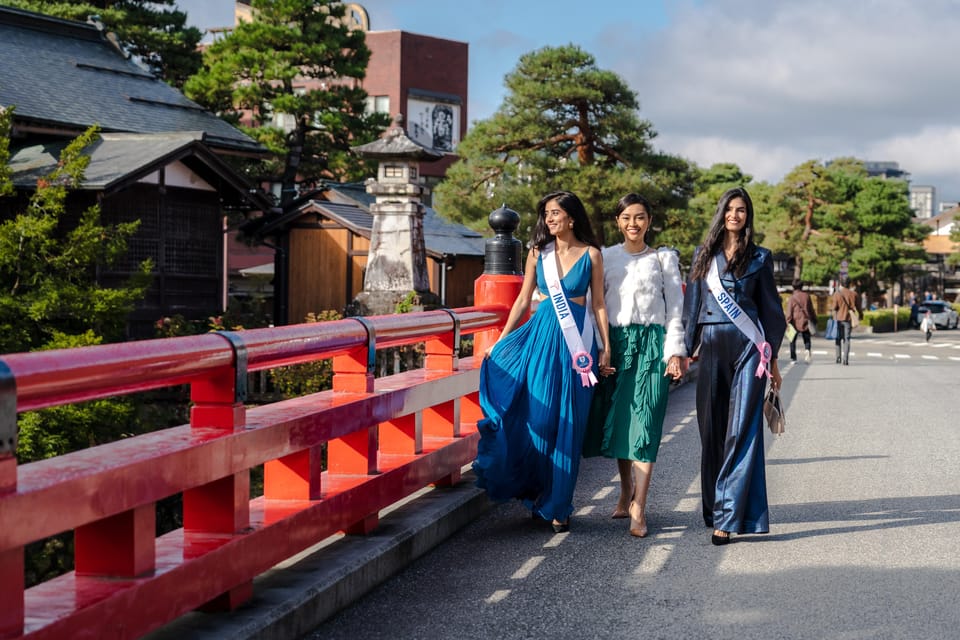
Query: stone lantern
[(397, 260)]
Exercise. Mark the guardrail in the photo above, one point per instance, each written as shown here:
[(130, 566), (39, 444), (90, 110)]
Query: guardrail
[(385, 439)]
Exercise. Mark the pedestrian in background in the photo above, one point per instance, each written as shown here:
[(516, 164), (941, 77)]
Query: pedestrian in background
[(536, 381), (644, 297), (927, 325), (733, 319), (844, 300), (803, 317)]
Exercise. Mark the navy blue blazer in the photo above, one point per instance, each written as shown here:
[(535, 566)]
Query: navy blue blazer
[(755, 292)]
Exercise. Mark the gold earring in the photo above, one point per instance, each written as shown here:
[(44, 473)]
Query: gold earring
[(571, 224)]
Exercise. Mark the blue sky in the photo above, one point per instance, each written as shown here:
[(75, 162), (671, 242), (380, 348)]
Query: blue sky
[(766, 85)]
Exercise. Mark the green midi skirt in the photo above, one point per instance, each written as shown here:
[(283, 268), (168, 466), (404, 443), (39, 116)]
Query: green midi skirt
[(628, 408)]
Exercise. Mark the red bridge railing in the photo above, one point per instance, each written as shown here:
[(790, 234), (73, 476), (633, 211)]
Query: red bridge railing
[(385, 439)]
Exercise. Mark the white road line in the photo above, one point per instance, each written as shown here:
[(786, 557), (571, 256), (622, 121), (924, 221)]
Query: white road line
[(901, 355), (954, 358), (528, 567), (930, 357), (654, 560), (604, 492), (873, 354)]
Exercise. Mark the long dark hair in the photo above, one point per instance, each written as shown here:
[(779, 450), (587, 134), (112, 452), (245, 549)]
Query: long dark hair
[(571, 204), (714, 240)]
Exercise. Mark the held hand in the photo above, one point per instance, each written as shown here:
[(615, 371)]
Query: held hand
[(603, 363), (675, 368)]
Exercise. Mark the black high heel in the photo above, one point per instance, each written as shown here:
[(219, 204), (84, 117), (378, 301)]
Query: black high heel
[(560, 527), (720, 540)]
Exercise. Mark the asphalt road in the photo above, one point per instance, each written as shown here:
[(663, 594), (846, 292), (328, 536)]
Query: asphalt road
[(865, 519)]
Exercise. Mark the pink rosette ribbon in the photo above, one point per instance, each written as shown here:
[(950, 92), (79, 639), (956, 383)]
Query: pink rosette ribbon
[(583, 363), (766, 354)]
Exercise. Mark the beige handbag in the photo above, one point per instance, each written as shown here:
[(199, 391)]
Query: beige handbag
[(773, 412)]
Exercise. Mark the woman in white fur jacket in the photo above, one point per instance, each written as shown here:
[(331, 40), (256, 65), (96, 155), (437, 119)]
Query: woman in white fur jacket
[(644, 297)]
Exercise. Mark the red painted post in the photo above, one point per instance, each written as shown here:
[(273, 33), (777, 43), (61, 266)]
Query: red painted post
[(294, 477), (502, 275), (354, 371), (11, 561), (354, 453), (403, 435), (442, 352), (470, 411), (493, 290), (221, 506), (121, 546), (442, 420)]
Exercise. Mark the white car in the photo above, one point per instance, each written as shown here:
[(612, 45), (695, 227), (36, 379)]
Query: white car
[(944, 315)]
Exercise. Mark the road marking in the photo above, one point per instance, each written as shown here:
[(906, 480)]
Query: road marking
[(587, 510), (667, 438), (605, 491), (901, 355), (930, 357), (497, 596), (654, 560), (954, 358), (528, 567), (874, 354)]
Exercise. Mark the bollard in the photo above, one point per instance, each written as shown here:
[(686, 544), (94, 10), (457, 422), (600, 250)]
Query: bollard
[(502, 272)]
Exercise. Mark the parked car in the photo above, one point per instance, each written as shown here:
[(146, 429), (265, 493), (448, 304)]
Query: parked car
[(944, 315)]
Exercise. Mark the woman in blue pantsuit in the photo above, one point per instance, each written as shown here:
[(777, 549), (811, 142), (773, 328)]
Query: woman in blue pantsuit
[(735, 359)]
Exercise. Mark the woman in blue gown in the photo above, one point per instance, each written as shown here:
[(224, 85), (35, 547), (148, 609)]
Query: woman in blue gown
[(730, 379), (535, 402)]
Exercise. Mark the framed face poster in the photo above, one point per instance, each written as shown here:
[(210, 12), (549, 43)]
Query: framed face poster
[(433, 123)]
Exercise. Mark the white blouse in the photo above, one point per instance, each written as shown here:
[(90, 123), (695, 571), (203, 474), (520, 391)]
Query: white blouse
[(645, 288)]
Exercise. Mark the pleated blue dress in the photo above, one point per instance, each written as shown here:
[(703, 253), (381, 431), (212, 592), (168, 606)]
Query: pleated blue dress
[(535, 408)]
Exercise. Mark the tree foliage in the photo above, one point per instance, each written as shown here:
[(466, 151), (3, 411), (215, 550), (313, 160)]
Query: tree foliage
[(153, 31), (299, 61), (954, 258), (564, 124), (50, 299), (824, 213)]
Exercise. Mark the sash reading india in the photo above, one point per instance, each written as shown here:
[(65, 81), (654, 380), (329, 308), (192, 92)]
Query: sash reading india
[(579, 344), (739, 318)]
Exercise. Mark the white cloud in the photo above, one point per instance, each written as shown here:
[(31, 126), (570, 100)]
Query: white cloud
[(769, 85)]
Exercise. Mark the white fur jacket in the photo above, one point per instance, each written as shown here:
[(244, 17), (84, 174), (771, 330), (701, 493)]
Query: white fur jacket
[(645, 288)]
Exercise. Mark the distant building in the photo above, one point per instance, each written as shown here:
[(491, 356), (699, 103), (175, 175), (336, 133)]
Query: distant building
[(922, 198), (886, 170), (946, 206), (422, 79)]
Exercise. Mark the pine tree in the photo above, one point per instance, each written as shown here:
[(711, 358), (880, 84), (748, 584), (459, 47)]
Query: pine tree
[(293, 76), (564, 124)]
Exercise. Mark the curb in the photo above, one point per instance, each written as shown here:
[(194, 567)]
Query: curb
[(296, 596)]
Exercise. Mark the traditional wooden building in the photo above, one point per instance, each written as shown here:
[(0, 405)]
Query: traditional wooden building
[(159, 159), (323, 243)]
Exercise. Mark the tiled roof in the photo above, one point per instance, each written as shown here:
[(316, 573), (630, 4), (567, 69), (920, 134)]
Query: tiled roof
[(64, 73), (112, 158), (440, 236), (118, 159)]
